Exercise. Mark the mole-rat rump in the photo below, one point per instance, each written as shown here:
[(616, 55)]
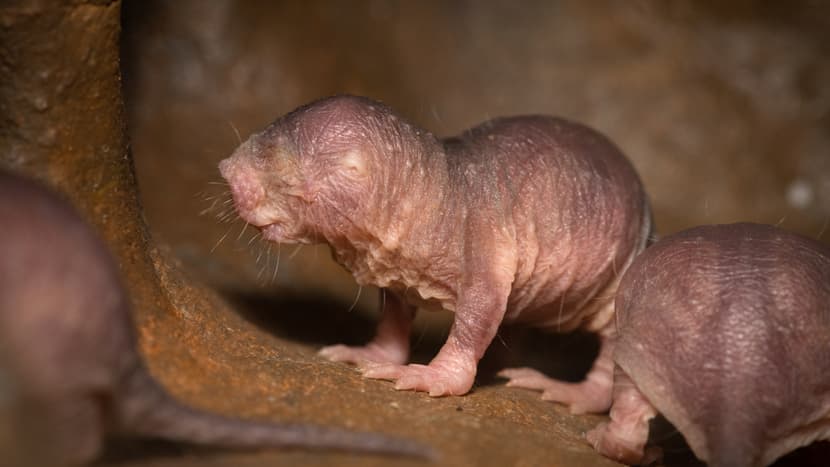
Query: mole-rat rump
[(67, 344), (526, 219), (725, 330)]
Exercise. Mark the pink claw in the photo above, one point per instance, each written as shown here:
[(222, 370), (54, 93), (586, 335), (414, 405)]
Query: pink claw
[(435, 379), (362, 356), (590, 396)]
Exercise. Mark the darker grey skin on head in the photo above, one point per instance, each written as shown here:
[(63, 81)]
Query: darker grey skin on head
[(67, 343), (725, 330)]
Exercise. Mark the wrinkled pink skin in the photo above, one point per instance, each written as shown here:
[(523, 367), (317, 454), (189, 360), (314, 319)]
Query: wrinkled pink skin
[(68, 349), (525, 219), (724, 330)]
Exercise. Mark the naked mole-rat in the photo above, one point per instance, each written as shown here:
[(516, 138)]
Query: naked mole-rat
[(527, 219), (67, 347), (725, 330)]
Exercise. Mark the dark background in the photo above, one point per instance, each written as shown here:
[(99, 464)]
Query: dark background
[(722, 106)]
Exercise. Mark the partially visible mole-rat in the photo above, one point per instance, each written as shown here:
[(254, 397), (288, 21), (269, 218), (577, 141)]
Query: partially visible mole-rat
[(725, 330), (68, 347), (525, 219)]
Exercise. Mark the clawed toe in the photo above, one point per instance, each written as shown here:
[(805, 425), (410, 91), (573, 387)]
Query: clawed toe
[(434, 380), (364, 356), (526, 378)]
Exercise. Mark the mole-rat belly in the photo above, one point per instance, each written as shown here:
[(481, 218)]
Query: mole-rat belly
[(526, 219), (724, 330), (68, 356)]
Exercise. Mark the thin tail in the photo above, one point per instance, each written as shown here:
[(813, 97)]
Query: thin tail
[(146, 409)]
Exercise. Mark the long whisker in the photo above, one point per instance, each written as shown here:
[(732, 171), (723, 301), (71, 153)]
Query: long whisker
[(258, 234), (259, 256), (209, 208), (267, 262), (227, 215), (220, 240), (503, 342), (294, 253), (277, 266), (356, 299), (421, 336), (236, 131), (823, 228), (242, 232)]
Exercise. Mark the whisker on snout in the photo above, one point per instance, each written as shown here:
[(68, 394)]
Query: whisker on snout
[(221, 239), (296, 250), (257, 235), (235, 131), (220, 204), (242, 232), (261, 251), (356, 299), (209, 209), (276, 266), (267, 250)]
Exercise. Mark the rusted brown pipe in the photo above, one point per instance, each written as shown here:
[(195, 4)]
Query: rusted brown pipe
[(63, 122)]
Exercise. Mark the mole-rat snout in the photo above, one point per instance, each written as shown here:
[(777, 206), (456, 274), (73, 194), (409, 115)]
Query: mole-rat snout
[(247, 190)]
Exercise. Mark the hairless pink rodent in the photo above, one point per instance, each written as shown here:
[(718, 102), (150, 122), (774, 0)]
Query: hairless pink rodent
[(527, 219), (67, 343), (725, 330)]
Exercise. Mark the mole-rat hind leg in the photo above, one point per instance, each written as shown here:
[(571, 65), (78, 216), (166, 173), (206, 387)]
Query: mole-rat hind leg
[(624, 437), (592, 395), (391, 342), (482, 302)]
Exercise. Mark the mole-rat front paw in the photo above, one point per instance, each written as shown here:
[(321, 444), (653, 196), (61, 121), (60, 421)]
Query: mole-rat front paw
[(437, 379), (363, 356)]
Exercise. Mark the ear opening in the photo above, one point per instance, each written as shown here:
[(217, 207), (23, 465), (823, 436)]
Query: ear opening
[(355, 163)]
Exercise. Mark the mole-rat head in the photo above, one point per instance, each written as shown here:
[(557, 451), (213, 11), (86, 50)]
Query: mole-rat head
[(307, 173)]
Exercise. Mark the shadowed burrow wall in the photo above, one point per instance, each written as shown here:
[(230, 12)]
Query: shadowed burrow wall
[(722, 106)]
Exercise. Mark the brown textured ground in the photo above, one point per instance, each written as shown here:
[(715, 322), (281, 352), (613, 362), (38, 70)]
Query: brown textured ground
[(724, 107)]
